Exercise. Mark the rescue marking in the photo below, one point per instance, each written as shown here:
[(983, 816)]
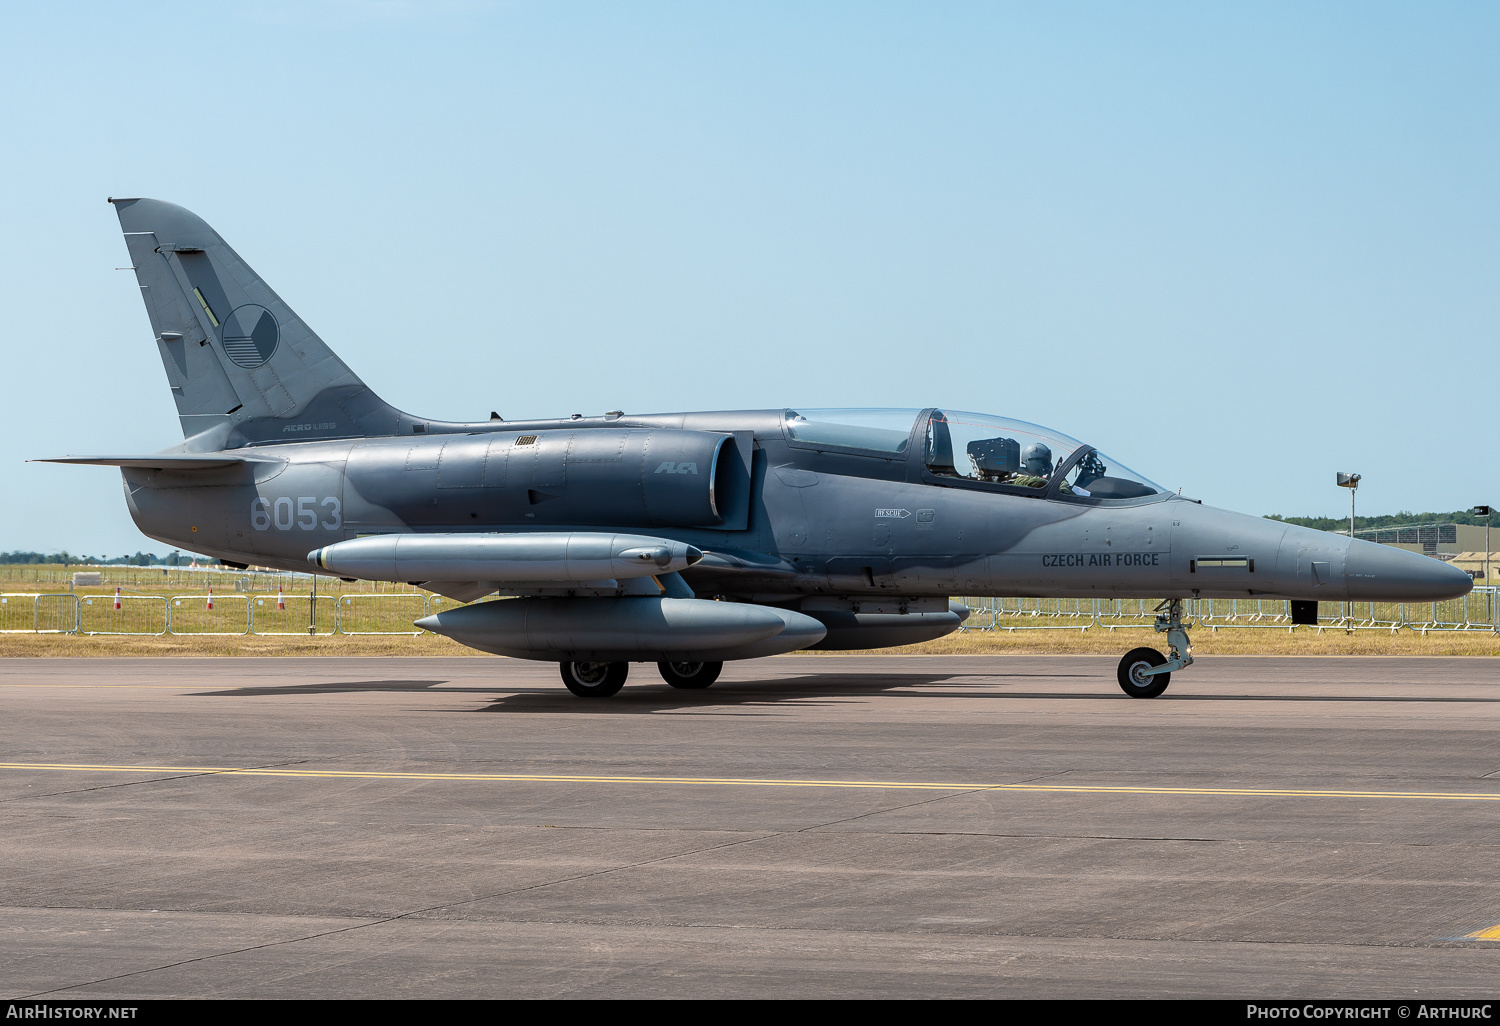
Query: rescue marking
[(1493, 933), (891, 785)]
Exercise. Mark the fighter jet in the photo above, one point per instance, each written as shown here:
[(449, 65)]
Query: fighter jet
[(684, 539)]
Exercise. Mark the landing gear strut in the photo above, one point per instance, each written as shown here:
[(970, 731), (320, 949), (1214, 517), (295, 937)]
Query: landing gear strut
[(1145, 672)]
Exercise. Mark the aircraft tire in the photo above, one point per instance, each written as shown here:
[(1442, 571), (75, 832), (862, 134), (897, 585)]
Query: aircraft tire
[(690, 676), (594, 680), (1147, 687)]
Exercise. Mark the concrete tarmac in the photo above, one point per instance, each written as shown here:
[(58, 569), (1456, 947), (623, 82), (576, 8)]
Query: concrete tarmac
[(976, 827)]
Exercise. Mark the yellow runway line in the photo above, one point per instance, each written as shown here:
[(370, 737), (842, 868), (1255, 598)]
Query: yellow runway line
[(1493, 933), (149, 687), (159, 687), (876, 785)]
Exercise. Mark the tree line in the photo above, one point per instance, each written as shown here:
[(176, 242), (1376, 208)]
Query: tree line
[(1402, 519), (66, 558)]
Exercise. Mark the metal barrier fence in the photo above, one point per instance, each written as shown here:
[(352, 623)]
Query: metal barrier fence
[(294, 614), (396, 613), (136, 614), (1474, 612), (381, 614), (199, 614), (221, 579), (38, 614), (231, 614)]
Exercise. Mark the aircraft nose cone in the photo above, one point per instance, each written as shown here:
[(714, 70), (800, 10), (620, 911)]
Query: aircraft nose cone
[(1382, 573), (429, 623)]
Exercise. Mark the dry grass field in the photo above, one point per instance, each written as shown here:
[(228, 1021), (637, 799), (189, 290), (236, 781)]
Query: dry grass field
[(102, 645), (1095, 641), (397, 615)]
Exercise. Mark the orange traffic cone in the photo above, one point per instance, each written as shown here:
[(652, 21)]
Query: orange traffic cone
[(210, 598), (117, 598), (280, 598)]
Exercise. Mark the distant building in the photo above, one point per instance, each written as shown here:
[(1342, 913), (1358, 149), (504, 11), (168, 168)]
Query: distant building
[(1459, 544), (1474, 563)]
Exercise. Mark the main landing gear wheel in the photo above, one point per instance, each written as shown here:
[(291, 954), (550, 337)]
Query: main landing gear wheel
[(690, 676), (594, 680), (1136, 684)]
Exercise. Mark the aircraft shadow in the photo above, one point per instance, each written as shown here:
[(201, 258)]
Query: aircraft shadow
[(809, 683), (650, 695), (807, 689), (820, 689), (332, 688)]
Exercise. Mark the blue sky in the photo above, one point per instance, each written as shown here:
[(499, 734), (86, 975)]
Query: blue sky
[(1237, 246)]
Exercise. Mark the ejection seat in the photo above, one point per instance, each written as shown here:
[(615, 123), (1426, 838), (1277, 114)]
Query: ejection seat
[(940, 447), (995, 459)]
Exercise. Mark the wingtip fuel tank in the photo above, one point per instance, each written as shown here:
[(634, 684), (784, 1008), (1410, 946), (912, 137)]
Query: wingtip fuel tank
[(504, 558)]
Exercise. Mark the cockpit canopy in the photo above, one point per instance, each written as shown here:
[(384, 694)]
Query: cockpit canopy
[(976, 449), (884, 432), (995, 449)]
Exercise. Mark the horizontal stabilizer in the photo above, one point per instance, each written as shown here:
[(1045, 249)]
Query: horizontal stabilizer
[(178, 461)]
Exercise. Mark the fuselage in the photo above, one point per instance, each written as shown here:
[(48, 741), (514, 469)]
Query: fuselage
[(782, 517), (823, 528)]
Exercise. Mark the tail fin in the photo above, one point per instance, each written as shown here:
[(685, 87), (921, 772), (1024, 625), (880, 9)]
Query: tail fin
[(243, 367)]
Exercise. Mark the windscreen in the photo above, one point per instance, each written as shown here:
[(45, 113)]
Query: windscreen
[(1096, 476)]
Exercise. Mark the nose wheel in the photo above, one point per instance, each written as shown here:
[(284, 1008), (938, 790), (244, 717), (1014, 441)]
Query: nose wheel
[(1138, 674), (1145, 672)]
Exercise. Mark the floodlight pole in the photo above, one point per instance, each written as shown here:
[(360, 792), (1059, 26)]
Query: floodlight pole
[(1351, 482), (1349, 606), (1487, 511)]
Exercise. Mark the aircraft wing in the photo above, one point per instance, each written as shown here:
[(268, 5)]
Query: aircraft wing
[(178, 461), (738, 561)]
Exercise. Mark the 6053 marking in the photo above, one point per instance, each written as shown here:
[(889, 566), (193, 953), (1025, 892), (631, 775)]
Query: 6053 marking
[(281, 514)]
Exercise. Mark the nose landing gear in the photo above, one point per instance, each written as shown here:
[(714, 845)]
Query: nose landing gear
[(1145, 672)]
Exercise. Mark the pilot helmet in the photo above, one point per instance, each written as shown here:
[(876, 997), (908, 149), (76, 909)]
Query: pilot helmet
[(1037, 459)]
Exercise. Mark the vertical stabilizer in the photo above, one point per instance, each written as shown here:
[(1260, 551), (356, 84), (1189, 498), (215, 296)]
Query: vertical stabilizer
[(242, 366)]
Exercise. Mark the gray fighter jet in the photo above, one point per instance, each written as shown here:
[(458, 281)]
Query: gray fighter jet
[(684, 539)]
